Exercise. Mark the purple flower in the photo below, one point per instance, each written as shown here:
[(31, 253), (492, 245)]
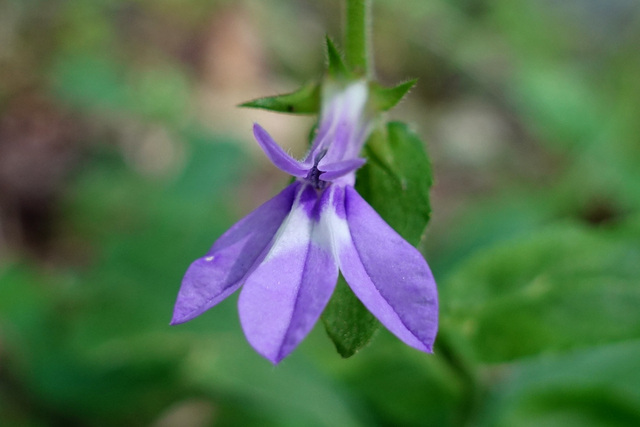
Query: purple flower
[(288, 252)]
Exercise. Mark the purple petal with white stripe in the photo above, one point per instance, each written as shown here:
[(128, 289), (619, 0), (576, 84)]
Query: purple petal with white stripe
[(349, 124), (218, 274), (386, 273), (284, 296), (277, 155), (343, 126)]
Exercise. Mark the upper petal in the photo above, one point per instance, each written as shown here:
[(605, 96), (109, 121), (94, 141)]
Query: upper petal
[(333, 171), (277, 155), (344, 124), (350, 123), (215, 276), (387, 274), (284, 296)]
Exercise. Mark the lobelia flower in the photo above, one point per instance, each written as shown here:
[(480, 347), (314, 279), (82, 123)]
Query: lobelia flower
[(288, 252)]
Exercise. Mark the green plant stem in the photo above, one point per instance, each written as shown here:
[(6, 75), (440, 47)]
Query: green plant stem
[(468, 373), (356, 36)]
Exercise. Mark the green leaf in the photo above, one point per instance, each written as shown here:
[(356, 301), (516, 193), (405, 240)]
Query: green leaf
[(396, 182), (305, 100), (336, 67), (564, 287), (594, 387), (349, 324), (385, 98)]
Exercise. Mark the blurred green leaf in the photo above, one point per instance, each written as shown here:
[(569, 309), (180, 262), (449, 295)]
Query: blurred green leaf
[(57, 373), (396, 182), (214, 164), (98, 81), (79, 386), (305, 100), (295, 393), (565, 286), (21, 300), (148, 234), (591, 388), (90, 81), (485, 222), (160, 92), (96, 344), (558, 102), (426, 389)]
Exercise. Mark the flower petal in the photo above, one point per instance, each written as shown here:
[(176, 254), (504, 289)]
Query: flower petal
[(284, 296), (215, 276), (344, 124), (387, 274), (350, 123), (336, 170), (277, 155)]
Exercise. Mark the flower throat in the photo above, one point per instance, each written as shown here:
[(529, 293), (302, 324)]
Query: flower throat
[(313, 177)]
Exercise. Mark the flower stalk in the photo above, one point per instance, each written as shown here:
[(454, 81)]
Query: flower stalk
[(356, 36)]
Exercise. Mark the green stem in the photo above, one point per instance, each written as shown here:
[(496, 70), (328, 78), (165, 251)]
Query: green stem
[(356, 35), (475, 392)]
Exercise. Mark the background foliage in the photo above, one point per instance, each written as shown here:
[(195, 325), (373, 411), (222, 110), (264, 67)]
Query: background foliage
[(122, 157)]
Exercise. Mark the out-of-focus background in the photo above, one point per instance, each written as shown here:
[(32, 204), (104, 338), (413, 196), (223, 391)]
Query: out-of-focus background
[(123, 157)]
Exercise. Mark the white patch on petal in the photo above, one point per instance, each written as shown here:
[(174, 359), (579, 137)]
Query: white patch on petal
[(209, 258), (350, 102), (343, 113), (333, 231), (322, 232), (295, 231)]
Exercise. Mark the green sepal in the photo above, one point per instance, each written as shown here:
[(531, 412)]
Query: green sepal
[(395, 181), (385, 98), (305, 100), (336, 67)]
